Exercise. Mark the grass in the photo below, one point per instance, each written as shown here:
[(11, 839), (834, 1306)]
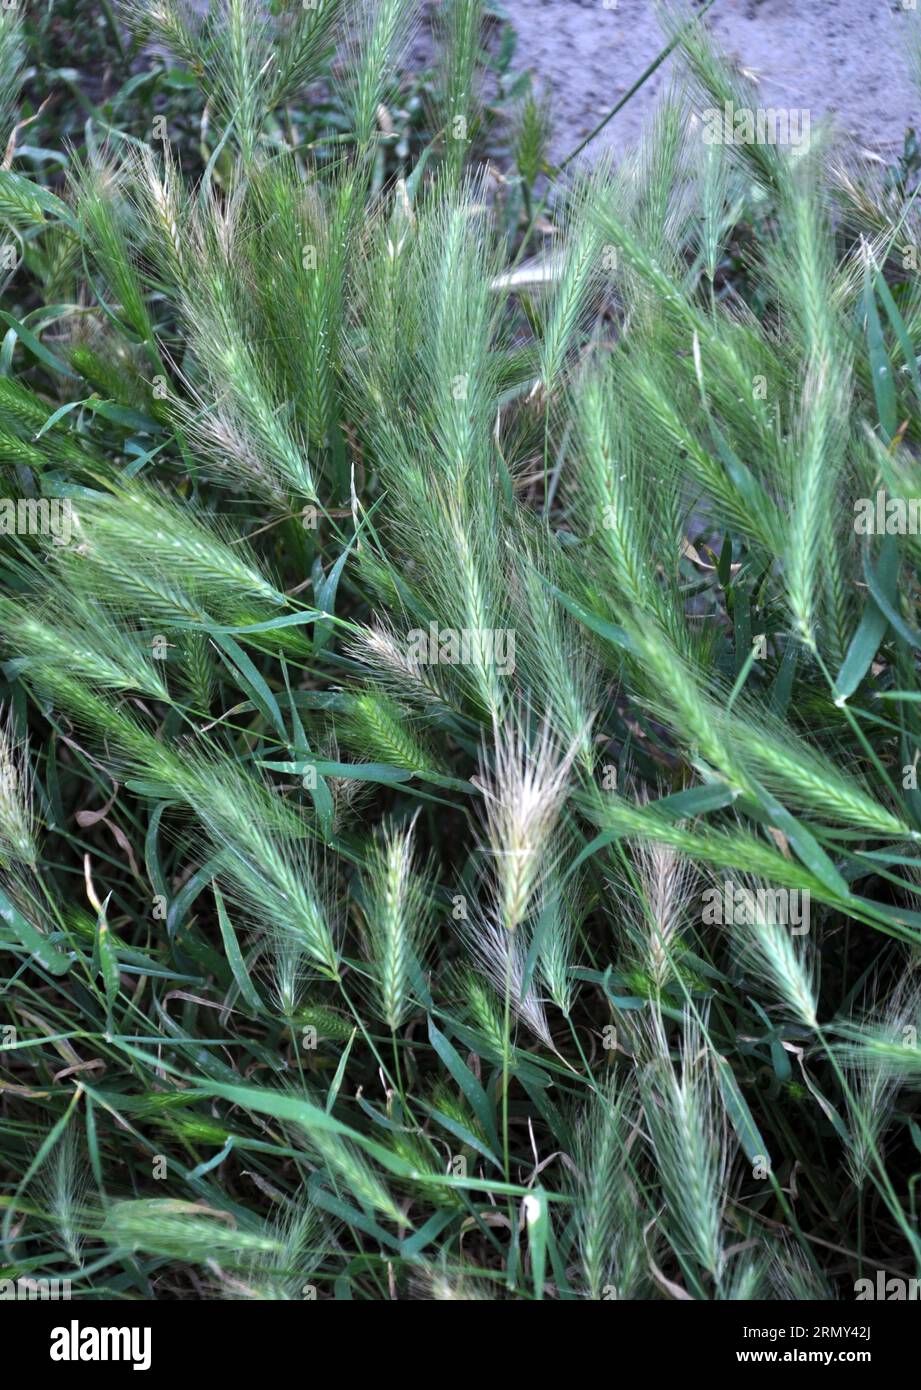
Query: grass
[(460, 615)]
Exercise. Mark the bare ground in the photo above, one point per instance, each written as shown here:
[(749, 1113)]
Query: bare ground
[(847, 59)]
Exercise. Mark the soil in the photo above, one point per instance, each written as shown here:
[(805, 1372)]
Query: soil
[(846, 59)]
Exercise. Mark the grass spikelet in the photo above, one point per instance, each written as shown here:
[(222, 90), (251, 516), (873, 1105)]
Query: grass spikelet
[(282, 1273), (461, 24), (381, 729), (64, 1186), (502, 958), (687, 1132), (379, 648), (263, 856), (609, 1216), (158, 555), (524, 784), (885, 1044), (555, 929), (12, 56), (666, 885), (17, 815), (767, 948), (385, 29), (398, 921), (178, 1229), (347, 1166)]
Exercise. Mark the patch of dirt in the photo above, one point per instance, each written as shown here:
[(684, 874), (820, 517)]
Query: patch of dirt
[(842, 58)]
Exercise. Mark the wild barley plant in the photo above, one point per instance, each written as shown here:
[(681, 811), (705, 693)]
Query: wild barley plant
[(333, 967)]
